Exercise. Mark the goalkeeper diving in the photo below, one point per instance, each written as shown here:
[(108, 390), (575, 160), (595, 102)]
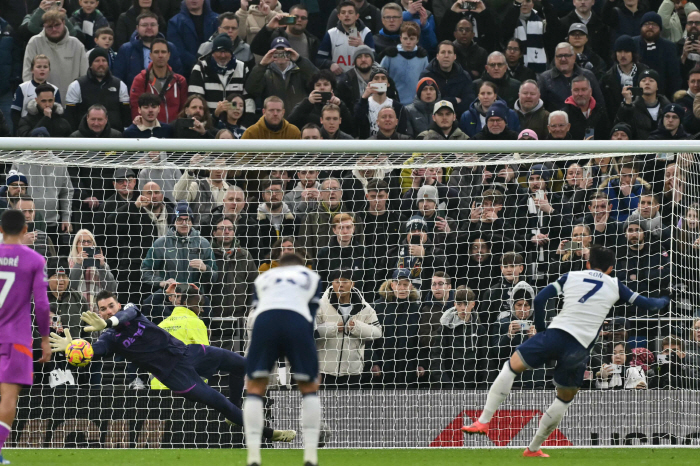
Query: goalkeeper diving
[(180, 367)]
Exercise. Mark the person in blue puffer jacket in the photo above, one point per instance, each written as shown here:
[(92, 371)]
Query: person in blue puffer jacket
[(188, 34), (406, 62), (474, 119)]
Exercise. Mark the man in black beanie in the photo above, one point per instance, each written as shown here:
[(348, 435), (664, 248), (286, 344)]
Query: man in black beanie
[(626, 71), (98, 86)]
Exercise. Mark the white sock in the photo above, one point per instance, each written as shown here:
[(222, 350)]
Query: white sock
[(311, 426), (549, 421), (498, 392), (253, 422)]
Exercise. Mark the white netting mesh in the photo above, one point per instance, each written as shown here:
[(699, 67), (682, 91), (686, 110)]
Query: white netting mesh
[(502, 225)]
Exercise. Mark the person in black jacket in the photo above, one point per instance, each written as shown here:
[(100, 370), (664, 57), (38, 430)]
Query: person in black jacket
[(670, 124), (95, 124), (297, 32), (587, 117), (366, 119), (496, 128), (44, 113), (470, 55), (309, 110), (642, 113), (627, 70), (494, 300), (605, 231), (345, 251)]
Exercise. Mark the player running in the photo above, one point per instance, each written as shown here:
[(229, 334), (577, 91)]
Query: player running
[(179, 366), (22, 274), (588, 297), (287, 300)]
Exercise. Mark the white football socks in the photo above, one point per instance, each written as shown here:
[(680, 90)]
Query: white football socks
[(311, 426), (253, 422), (498, 392), (549, 421)]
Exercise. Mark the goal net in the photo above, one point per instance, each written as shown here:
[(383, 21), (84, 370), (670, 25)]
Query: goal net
[(430, 254)]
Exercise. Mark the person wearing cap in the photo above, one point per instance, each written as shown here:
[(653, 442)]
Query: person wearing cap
[(405, 62), (388, 36), (395, 356), (228, 24), (95, 124), (16, 185), (585, 57), (659, 54), (498, 119), (444, 125), (496, 71), (124, 184), (218, 74), (304, 42), (339, 43), (670, 127), (252, 18), (598, 31), (625, 71), (470, 55), (530, 109), (352, 83), (345, 322), (588, 119), (372, 102), (474, 120), (188, 29), (160, 79), (642, 113), (44, 112), (453, 81), (282, 72), (420, 111)]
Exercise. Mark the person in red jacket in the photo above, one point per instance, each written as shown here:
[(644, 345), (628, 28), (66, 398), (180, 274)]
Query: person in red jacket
[(160, 79)]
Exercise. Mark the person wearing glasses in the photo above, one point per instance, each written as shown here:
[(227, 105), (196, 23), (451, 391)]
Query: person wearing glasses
[(389, 35), (305, 43), (228, 24), (496, 71), (689, 44), (274, 218)]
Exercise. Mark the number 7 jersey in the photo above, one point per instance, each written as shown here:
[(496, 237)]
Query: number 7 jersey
[(588, 297), (293, 288)]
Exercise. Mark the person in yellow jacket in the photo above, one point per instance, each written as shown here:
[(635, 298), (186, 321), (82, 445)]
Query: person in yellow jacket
[(184, 323)]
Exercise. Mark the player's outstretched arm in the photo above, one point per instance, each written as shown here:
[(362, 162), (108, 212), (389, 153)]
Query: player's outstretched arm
[(648, 304), (550, 291)]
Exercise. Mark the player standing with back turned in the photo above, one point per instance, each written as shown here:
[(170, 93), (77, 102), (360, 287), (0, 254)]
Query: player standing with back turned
[(22, 274), (287, 299), (588, 297)]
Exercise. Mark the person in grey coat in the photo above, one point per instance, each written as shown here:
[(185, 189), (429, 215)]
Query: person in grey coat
[(420, 112)]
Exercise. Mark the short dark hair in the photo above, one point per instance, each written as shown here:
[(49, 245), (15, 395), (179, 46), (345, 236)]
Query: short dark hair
[(105, 30), (291, 258), (512, 258), (227, 15), (377, 185), (146, 99), (105, 294), (298, 6), (443, 274), (146, 14), (310, 126), (344, 4), (45, 87), (326, 75), (12, 222), (446, 42), (160, 40), (271, 182), (601, 258), (464, 295)]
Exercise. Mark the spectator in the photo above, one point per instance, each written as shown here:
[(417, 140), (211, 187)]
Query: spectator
[(670, 126), (232, 294), (9, 73), (496, 71), (98, 86), (304, 42), (623, 17), (649, 217), (309, 110), (626, 71), (442, 229), (530, 109), (272, 124), (497, 121), (252, 18), (470, 55), (306, 193), (688, 45), (274, 218), (88, 19), (134, 56), (388, 123), (555, 84), (585, 57), (572, 255), (124, 183), (624, 191), (474, 119), (369, 14), (444, 126), (166, 177), (159, 79), (604, 229), (146, 124), (691, 123), (315, 230), (440, 298), (44, 112), (232, 115), (16, 185), (389, 35), (584, 12), (339, 43), (514, 53), (558, 125), (406, 62), (352, 83), (523, 22), (453, 82), (659, 54), (672, 370), (204, 192), (344, 250), (89, 271), (416, 12), (394, 357), (484, 21), (693, 353), (284, 245), (345, 322), (35, 238), (617, 373), (26, 92), (575, 190), (190, 28), (463, 343), (66, 303), (420, 112), (642, 113), (95, 124), (194, 121), (586, 116), (488, 216), (282, 72), (128, 21), (479, 267), (374, 99), (66, 53), (331, 121), (228, 25), (233, 207)]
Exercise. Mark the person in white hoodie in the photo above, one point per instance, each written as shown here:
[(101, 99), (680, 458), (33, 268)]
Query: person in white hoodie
[(345, 322)]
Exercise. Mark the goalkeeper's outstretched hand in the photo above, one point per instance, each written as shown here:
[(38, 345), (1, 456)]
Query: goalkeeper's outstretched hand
[(59, 343), (95, 322)]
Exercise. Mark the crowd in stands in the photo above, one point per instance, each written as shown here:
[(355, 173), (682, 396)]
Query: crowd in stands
[(430, 273)]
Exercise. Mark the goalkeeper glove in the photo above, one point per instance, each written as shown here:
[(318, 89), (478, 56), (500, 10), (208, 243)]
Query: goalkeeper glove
[(59, 343), (95, 322)]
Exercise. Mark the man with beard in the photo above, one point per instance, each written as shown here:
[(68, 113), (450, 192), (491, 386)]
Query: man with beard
[(659, 54), (496, 71), (626, 71), (588, 118), (444, 126), (274, 218), (472, 57), (352, 83), (44, 116), (315, 231), (66, 54), (305, 195), (272, 124), (477, 269), (530, 109), (146, 125), (201, 126), (98, 86), (305, 43), (689, 45), (15, 187)]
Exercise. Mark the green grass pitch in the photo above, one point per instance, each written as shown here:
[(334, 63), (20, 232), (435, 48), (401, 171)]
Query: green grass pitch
[(426, 457)]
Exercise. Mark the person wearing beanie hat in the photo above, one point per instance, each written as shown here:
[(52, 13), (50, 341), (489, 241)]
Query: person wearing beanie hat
[(43, 112), (659, 54), (670, 126), (621, 132), (352, 84), (497, 124), (99, 86), (527, 134), (643, 113), (16, 185), (362, 50), (420, 112), (367, 116), (625, 71), (222, 43)]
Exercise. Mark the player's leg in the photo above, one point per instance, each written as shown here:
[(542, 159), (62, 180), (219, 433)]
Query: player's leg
[(254, 418), (213, 360), (550, 420), (9, 394), (310, 420)]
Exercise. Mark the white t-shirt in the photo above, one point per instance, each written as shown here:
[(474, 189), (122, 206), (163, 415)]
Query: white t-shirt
[(290, 288)]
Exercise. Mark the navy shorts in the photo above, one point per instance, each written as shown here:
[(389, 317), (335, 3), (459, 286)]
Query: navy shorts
[(201, 362), (278, 333), (571, 357)]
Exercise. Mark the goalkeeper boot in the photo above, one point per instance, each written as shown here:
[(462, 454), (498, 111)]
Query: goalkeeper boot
[(3, 460), (535, 454), (476, 428), (309, 463), (284, 435)]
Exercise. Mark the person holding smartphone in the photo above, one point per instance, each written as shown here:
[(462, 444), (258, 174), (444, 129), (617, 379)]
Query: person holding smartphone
[(642, 112), (89, 271), (625, 71)]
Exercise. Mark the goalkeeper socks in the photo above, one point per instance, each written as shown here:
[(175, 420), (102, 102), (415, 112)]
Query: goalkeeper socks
[(235, 384), (311, 426), (549, 421), (253, 422), (498, 392), (4, 433)]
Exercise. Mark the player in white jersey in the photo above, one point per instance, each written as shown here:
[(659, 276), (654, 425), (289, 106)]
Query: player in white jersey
[(287, 299), (588, 297)]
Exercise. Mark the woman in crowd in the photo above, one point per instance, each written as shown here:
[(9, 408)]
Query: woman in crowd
[(617, 373), (89, 271), (474, 119), (571, 255), (231, 114)]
